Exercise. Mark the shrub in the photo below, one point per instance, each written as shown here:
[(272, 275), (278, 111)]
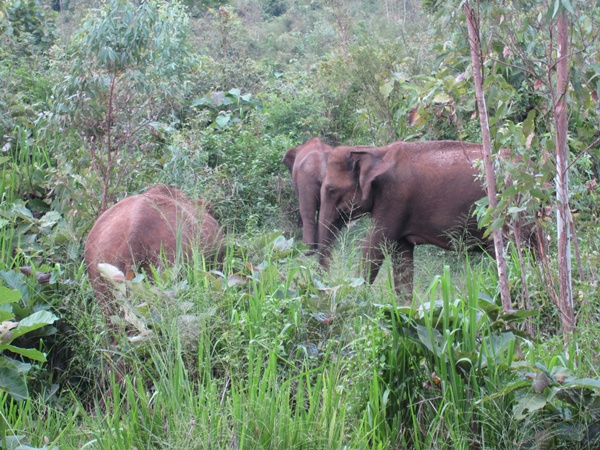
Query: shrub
[(237, 169), (127, 79)]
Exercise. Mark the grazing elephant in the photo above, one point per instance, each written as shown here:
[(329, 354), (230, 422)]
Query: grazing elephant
[(142, 230), (307, 165), (416, 193)]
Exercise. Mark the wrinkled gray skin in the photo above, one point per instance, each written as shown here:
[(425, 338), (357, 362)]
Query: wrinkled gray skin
[(415, 192), (142, 230), (307, 164)]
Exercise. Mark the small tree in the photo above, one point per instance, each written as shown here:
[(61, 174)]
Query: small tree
[(129, 66), (476, 60), (563, 212)]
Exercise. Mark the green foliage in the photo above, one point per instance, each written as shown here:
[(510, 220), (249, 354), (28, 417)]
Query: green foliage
[(30, 230), (275, 8), (225, 109), (22, 311), (27, 32), (126, 81), (27, 27), (197, 8), (440, 356), (294, 108), (566, 408), (234, 168), (272, 351), (364, 87)]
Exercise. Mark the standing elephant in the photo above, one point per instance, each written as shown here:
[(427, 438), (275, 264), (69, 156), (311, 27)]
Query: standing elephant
[(416, 194), (307, 165)]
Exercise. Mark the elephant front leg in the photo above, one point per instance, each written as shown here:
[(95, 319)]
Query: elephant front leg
[(372, 254), (402, 254)]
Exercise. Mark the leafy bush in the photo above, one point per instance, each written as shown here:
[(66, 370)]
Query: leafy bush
[(127, 78), (22, 311), (28, 28), (441, 356), (31, 231), (27, 33), (294, 108), (239, 171)]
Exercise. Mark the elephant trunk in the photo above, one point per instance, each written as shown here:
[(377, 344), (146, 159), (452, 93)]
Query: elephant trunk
[(328, 230), (309, 206)]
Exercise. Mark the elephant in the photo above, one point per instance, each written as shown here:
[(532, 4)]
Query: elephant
[(306, 164), (416, 193), (144, 230)]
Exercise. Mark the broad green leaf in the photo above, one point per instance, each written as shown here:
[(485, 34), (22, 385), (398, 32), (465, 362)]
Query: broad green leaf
[(399, 76), (282, 244), (588, 383), (37, 320), (222, 120), (555, 9), (442, 98), (537, 193), (516, 209), (496, 224), (517, 315), (529, 403), (9, 295), (567, 6), (50, 218), (529, 122), (356, 282), (6, 313), (507, 389), (387, 88), (13, 383), (201, 102), (14, 280), (425, 337), (22, 210), (30, 353)]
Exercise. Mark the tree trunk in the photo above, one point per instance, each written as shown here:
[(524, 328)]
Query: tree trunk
[(475, 44), (562, 181)]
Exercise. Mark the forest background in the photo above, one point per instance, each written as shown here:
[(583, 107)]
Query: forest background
[(99, 100)]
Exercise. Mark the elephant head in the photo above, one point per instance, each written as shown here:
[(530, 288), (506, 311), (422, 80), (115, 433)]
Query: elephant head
[(347, 190), (307, 164)]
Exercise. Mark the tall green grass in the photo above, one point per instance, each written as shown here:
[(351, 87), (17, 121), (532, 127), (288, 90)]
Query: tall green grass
[(23, 172), (271, 352)]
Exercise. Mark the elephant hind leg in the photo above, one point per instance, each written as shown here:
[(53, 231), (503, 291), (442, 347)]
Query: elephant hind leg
[(403, 267)]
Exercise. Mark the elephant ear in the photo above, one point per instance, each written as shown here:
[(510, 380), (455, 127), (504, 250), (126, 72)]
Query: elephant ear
[(369, 166), (290, 157)]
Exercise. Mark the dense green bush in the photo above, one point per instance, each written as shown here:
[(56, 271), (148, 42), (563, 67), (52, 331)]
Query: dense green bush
[(127, 78), (238, 170), (27, 32), (294, 108)]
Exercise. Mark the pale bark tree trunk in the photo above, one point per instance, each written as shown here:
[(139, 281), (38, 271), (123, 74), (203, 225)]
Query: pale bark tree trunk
[(475, 45), (562, 181)]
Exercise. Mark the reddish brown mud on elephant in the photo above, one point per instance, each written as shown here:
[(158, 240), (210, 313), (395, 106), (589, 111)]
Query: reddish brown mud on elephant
[(307, 164), (416, 194), (143, 230)]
